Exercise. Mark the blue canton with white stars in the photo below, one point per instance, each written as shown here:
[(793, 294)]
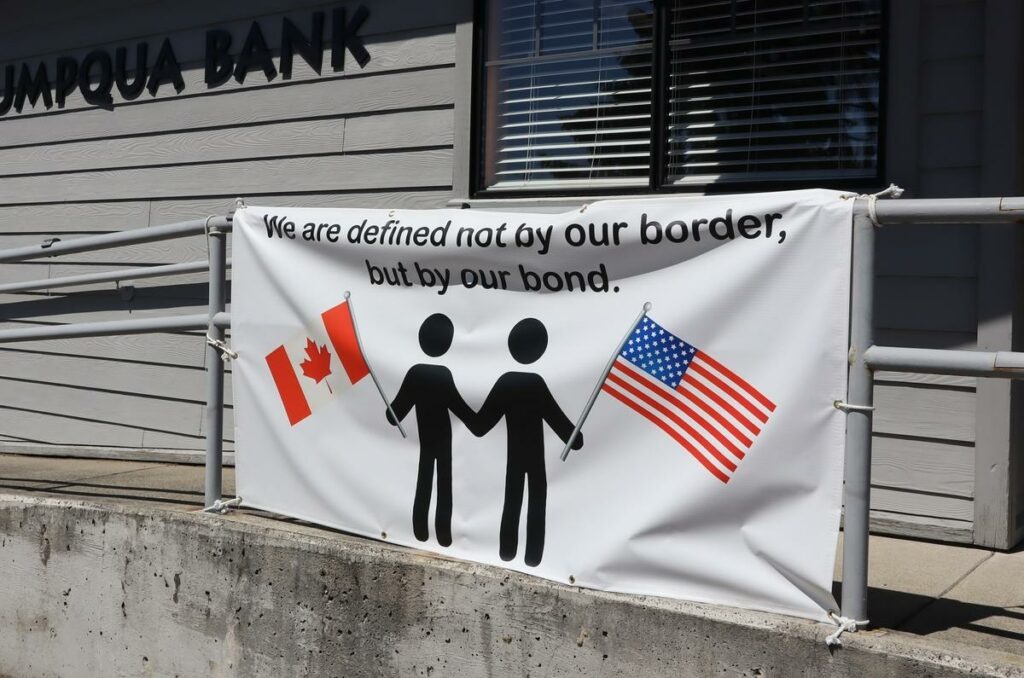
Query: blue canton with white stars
[(658, 352)]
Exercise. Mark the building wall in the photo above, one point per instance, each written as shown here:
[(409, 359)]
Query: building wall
[(396, 134), (926, 290), (943, 445), (375, 136)]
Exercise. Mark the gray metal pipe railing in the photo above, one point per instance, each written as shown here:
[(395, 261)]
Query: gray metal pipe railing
[(865, 358), (214, 322), (859, 394), (105, 241), (139, 273), (950, 211), (216, 238), (181, 323), (994, 364)]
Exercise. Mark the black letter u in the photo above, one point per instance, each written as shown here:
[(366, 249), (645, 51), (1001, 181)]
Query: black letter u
[(5, 103)]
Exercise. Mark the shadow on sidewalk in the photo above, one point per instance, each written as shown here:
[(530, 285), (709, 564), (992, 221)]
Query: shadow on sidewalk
[(925, 615)]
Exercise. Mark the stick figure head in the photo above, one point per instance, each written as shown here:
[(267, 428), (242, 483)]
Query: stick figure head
[(436, 334), (528, 340)]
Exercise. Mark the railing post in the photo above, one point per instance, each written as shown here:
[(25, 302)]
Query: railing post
[(216, 237), (857, 488)]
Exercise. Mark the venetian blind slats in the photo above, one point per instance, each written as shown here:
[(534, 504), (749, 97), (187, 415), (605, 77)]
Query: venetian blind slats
[(569, 92), (752, 91), (762, 91)]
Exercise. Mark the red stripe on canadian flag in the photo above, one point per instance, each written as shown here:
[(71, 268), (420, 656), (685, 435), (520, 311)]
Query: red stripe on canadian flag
[(342, 331), (287, 382), (313, 367)]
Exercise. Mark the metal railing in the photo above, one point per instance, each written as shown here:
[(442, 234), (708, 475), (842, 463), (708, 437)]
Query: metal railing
[(865, 357), (214, 322)]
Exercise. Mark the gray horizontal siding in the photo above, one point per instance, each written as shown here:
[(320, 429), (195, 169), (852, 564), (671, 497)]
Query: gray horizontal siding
[(325, 97), (927, 286), (413, 169), (922, 504), (925, 411), (906, 463), (160, 350), (304, 137), (380, 136)]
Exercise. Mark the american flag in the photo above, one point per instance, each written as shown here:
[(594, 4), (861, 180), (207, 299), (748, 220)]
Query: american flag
[(706, 408)]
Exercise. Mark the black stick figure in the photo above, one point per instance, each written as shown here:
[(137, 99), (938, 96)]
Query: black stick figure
[(525, 402), (431, 390)]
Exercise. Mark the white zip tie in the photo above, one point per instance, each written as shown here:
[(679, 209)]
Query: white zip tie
[(226, 353), (222, 506), (893, 191), (845, 624), (847, 407)]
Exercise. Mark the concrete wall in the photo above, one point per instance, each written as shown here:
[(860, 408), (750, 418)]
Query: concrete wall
[(100, 591)]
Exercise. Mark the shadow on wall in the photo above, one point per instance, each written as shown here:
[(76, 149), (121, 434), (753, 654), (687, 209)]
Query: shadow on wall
[(170, 299)]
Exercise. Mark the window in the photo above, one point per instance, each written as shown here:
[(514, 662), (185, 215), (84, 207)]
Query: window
[(656, 94)]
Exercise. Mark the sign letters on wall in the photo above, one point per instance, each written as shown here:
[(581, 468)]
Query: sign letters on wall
[(129, 71)]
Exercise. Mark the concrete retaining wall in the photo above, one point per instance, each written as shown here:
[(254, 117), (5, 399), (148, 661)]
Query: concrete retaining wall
[(102, 590)]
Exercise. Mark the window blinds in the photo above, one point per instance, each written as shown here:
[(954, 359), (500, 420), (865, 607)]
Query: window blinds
[(754, 90), (762, 90), (569, 93)]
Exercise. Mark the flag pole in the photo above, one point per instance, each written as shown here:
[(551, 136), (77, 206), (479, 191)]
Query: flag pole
[(600, 382), (355, 328)]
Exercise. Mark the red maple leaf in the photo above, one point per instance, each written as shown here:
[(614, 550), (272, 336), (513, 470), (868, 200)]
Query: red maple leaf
[(318, 365)]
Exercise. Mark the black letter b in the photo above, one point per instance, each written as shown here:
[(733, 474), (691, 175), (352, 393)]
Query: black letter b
[(219, 64)]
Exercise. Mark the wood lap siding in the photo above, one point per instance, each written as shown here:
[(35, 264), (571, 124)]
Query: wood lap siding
[(927, 286), (381, 136)]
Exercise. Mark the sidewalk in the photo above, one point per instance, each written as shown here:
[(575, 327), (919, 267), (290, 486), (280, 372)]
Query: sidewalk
[(941, 592)]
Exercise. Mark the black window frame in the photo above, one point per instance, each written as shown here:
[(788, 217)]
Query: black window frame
[(656, 184)]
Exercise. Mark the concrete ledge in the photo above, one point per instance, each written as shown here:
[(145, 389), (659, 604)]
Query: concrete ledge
[(116, 589)]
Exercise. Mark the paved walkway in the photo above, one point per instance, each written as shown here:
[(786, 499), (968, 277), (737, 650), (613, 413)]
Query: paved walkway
[(955, 593)]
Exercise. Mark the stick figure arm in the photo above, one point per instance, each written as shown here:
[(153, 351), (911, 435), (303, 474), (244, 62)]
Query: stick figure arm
[(463, 411), (490, 413), (555, 417), (404, 399)]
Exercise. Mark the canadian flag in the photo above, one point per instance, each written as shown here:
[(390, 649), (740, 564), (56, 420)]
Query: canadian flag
[(306, 371)]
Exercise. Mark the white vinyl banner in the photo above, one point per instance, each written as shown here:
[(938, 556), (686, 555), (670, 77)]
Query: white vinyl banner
[(698, 344)]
